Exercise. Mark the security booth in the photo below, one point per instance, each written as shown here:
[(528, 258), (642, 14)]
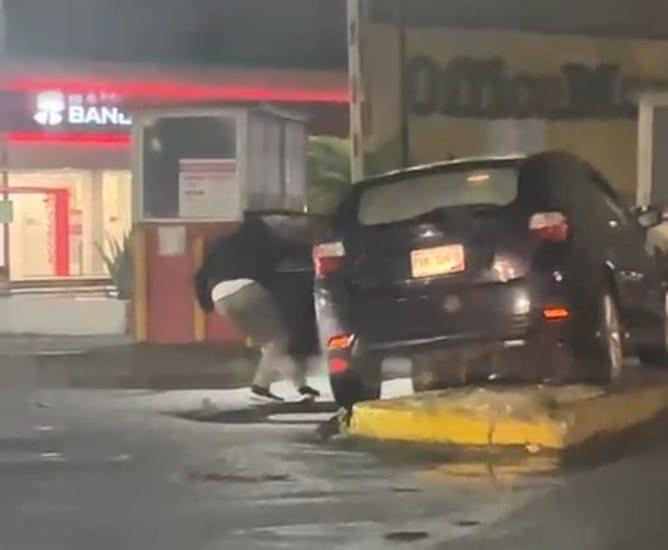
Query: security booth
[(196, 172), (653, 162), (652, 148)]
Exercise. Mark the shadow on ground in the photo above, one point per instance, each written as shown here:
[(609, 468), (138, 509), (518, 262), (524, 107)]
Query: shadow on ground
[(130, 366), (279, 413)]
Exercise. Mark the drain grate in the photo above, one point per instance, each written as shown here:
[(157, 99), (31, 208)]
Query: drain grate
[(406, 536), (467, 523)]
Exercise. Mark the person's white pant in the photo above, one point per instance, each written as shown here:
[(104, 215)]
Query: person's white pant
[(275, 360), (253, 310)]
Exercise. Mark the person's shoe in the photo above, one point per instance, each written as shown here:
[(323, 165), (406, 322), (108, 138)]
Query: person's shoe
[(308, 393), (264, 395)]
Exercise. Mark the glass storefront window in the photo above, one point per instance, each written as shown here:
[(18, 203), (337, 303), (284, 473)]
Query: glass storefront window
[(117, 207), (97, 210)]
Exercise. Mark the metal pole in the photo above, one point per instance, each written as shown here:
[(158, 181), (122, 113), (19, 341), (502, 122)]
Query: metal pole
[(3, 29), (5, 226), (404, 131), (4, 155)]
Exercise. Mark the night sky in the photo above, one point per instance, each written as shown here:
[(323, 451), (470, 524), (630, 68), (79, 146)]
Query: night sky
[(283, 33), (270, 33)]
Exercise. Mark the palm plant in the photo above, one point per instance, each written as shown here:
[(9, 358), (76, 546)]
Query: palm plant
[(118, 261)]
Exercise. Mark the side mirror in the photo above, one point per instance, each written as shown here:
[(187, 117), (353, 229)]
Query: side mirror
[(650, 216)]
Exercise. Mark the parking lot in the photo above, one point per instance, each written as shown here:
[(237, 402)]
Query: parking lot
[(124, 469)]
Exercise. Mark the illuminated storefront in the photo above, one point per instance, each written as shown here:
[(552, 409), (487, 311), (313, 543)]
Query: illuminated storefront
[(67, 140)]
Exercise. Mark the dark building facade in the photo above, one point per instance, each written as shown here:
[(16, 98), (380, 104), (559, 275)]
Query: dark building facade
[(307, 34)]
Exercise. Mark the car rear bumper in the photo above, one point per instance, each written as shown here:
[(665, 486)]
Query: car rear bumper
[(497, 312), (543, 355), (501, 327), (492, 311)]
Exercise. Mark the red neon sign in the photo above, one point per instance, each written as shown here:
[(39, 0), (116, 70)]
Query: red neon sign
[(172, 90), (118, 141)]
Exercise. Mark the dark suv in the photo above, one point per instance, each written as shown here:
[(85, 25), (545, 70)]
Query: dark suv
[(523, 269)]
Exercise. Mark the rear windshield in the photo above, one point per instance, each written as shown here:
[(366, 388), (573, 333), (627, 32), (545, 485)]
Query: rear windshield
[(413, 197)]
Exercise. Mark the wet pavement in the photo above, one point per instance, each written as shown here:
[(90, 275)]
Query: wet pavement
[(83, 469), (114, 362)]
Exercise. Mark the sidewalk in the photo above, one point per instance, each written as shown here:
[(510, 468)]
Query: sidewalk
[(115, 362), (37, 344)]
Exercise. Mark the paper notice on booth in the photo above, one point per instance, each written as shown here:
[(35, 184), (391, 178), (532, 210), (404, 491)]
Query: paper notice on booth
[(209, 188)]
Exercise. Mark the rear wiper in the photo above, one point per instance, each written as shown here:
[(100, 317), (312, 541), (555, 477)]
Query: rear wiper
[(431, 213), (477, 208), (474, 208)]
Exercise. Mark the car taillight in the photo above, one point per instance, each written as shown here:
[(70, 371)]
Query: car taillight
[(337, 365), (556, 313), (550, 226), (340, 342), (339, 347), (328, 258)]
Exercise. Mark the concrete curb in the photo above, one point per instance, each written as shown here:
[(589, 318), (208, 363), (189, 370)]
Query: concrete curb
[(535, 418)]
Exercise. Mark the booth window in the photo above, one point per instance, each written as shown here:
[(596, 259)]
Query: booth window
[(276, 174), (166, 142)]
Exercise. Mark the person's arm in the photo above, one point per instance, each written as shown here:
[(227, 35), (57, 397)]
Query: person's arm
[(210, 274), (203, 289)]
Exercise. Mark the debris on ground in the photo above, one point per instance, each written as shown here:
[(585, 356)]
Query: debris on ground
[(337, 425)]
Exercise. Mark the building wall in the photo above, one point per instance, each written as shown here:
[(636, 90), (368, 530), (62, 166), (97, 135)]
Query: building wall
[(629, 18), (477, 92)]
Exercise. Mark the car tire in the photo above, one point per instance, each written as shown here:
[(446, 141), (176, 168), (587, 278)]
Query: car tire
[(361, 382), (656, 354), (610, 336)]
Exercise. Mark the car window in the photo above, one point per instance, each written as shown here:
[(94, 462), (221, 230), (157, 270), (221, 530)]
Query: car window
[(417, 195), (610, 198)]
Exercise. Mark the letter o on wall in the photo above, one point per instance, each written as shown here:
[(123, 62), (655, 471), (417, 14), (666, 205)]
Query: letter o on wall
[(422, 85)]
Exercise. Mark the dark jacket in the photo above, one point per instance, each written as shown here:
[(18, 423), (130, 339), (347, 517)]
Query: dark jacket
[(251, 252), (255, 252)]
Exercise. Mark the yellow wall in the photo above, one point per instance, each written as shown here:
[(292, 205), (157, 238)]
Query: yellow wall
[(608, 142), (610, 145)]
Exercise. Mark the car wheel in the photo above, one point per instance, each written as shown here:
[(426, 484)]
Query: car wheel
[(657, 353), (360, 382), (611, 335)]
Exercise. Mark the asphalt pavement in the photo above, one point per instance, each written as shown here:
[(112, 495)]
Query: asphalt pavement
[(115, 362), (122, 469)]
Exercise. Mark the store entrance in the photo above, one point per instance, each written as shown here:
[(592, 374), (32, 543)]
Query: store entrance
[(41, 219), (65, 222)]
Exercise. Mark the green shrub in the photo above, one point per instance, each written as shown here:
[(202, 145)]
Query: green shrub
[(328, 173), (118, 261)]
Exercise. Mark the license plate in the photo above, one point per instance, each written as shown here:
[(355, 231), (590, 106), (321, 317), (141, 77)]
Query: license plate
[(441, 260)]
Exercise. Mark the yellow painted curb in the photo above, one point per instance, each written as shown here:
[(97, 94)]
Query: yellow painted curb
[(536, 417)]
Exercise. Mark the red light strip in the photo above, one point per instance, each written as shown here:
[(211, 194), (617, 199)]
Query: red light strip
[(62, 236), (167, 90), (118, 141)]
